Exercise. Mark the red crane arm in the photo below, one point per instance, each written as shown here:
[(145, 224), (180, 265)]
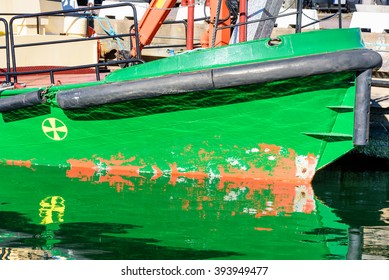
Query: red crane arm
[(158, 11)]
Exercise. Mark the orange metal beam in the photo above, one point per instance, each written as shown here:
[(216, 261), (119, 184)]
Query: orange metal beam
[(242, 19), (152, 20), (158, 11), (190, 28), (222, 35)]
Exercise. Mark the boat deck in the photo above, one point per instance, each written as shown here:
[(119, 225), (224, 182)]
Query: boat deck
[(60, 79)]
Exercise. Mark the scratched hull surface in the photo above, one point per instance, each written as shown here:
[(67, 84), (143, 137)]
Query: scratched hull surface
[(57, 213), (285, 130), (248, 139)]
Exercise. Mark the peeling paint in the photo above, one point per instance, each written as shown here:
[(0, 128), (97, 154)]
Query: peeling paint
[(21, 163), (270, 162), (267, 162)]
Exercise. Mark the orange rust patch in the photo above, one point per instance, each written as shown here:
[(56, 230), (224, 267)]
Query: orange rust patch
[(20, 163), (188, 148), (206, 156), (117, 160), (82, 169), (285, 170), (267, 148)]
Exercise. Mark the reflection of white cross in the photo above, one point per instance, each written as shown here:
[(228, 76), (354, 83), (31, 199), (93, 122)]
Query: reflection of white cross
[(54, 129)]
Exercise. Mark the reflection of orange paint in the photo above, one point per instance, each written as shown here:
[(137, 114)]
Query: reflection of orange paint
[(185, 204), (175, 174), (260, 194), (263, 229), (110, 171), (256, 199), (157, 173), (116, 181)]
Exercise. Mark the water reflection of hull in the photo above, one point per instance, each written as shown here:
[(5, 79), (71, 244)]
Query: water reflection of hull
[(23, 254), (190, 219), (350, 193), (360, 199)]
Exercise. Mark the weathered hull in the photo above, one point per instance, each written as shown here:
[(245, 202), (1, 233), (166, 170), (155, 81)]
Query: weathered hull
[(277, 129)]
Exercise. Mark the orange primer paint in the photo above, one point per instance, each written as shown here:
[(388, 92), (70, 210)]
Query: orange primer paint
[(20, 163)]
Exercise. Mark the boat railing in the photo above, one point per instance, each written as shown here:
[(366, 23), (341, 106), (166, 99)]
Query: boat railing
[(6, 47), (338, 14), (88, 13), (299, 13), (12, 70), (183, 45)]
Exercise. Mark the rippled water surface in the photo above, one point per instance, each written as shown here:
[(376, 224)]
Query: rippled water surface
[(50, 213)]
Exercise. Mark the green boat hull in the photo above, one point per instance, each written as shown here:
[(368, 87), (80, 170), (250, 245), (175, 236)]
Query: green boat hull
[(277, 130)]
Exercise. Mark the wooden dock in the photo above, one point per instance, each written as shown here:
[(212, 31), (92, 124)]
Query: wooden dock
[(379, 112), (375, 243)]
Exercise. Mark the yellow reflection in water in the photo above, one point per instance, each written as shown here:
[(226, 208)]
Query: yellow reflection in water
[(52, 210)]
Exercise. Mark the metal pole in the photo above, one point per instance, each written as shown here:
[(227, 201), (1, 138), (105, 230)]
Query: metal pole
[(12, 48), (340, 13), (216, 24), (355, 243), (190, 30), (299, 15), (7, 50), (243, 19)]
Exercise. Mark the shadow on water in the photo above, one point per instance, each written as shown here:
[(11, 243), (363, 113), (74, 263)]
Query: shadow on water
[(357, 188), (86, 240)]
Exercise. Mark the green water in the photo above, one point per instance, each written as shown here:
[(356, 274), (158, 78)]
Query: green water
[(49, 213)]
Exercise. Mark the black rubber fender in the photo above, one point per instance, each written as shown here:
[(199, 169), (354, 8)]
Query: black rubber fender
[(20, 101), (210, 79)]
